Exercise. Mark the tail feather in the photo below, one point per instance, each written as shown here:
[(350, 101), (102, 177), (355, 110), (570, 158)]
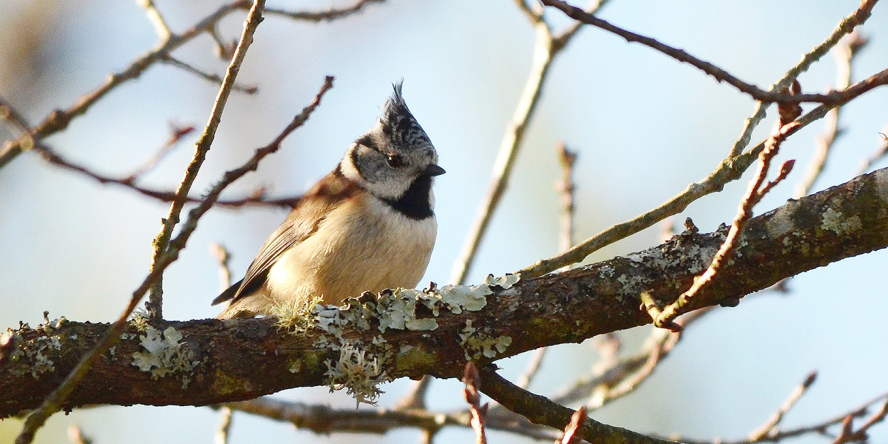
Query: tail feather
[(228, 294)]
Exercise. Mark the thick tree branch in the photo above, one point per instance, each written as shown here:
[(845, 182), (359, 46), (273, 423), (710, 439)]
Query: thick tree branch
[(237, 360)]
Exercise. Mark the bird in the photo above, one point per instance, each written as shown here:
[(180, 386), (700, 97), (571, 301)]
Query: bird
[(368, 225)]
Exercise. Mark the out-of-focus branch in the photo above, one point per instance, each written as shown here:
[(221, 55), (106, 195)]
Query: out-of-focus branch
[(881, 152), (820, 428), (844, 53), (546, 48), (566, 188), (770, 426), (863, 12)]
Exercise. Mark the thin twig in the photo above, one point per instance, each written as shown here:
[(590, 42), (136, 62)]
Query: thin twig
[(210, 77), (771, 424), (472, 380), (546, 48), (844, 53), (257, 197), (754, 193), (161, 242), (177, 134), (862, 13), (816, 428)]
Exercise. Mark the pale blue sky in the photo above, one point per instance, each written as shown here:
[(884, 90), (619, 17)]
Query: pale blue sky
[(644, 125)]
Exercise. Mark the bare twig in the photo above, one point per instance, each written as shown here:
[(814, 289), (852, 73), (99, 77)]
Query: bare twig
[(771, 424), (177, 134), (844, 53), (210, 77), (161, 242), (536, 360), (862, 13), (472, 380), (754, 193), (850, 435), (546, 48), (621, 376), (257, 197)]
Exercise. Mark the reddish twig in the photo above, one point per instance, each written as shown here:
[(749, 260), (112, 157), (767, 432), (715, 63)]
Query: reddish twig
[(754, 193), (863, 12), (472, 380)]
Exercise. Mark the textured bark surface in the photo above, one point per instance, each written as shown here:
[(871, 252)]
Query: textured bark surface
[(235, 360)]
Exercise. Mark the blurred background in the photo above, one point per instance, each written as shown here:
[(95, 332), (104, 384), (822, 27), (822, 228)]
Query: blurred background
[(644, 127)]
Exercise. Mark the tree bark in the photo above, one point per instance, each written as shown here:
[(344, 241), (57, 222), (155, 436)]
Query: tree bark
[(219, 361)]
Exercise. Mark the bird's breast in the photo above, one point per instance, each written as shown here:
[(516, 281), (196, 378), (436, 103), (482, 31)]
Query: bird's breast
[(362, 245)]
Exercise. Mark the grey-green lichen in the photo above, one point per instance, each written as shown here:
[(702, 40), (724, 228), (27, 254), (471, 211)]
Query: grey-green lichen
[(476, 343), (357, 371), (359, 366), (835, 221), (165, 354), (36, 352)]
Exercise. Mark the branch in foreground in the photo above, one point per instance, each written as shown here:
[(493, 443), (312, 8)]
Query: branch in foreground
[(238, 360), (165, 251)]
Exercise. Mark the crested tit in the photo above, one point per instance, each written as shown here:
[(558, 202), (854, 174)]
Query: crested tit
[(366, 226)]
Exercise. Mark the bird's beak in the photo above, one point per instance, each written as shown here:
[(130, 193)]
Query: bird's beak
[(432, 170)]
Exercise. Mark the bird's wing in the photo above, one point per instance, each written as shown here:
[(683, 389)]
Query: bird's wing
[(301, 223)]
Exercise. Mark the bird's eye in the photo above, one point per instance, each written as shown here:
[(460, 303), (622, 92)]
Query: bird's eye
[(394, 160)]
